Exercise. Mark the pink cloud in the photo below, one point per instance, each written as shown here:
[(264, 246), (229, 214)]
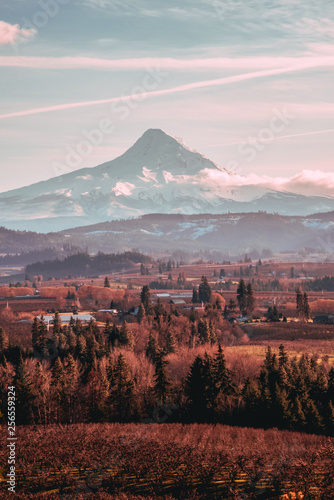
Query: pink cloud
[(307, 182), (167, 63), (12, 33)]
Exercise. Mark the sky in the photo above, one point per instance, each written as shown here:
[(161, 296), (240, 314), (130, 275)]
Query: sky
[(247, 83)]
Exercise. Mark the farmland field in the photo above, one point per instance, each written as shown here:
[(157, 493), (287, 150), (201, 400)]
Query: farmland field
[(192, 461)]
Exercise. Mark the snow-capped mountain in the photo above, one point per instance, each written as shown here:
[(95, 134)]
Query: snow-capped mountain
[(158, 174)]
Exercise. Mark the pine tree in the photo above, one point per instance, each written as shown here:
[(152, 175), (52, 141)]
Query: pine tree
[(203, 331), (23, 393), (281, 411), (34, 333), (222, 376), (242, 296), (71, 383), (299, 302), (232, 306), (125, 336), (122, 395), (106, 282), (171, 344), (113, 336), (212, 332), (251, 397), (56, 323), (204, 290), (193, 335), (152, 348), (298, 415), (145, 298), (195, 298), (306, 307), (313, 418), (141, 313), (39, 332), (162, 381), (196, 392), (250, 300), (81, 348), (283, 357)]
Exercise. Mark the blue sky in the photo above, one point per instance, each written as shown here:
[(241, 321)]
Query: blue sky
[(214, 73)]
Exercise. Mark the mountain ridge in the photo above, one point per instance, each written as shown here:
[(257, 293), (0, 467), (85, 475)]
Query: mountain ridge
[(158, 173)]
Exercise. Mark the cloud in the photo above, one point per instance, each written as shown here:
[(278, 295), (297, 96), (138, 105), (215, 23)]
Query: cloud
[(180, 89), (306, 182), (193, 64), (12, 33)]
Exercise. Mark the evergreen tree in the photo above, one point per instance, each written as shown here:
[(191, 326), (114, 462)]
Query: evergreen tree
[(195, 298), (171, 344), (250, 300), (122, 395), (71, 384), (141, 313), (81, 348), (204, 290), (203, 331), (242, 297), (232, 306), (23, 393), (272, 314), (106, 282), (299, 302), (145, 298), (56, 323), (34, 333), (212, 332), (152, 348), (113, 336), (222, 376), (162, 381), (196, 392), (125, 336), (251, 397), (39, 332), (283, 358), (306, 307), (193, 336), (298, 415), (313, 418)]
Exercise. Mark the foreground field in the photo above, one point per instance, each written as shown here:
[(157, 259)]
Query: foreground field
[(194, 461)]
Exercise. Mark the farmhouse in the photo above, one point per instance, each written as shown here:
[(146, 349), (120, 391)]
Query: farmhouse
[(66, 318)]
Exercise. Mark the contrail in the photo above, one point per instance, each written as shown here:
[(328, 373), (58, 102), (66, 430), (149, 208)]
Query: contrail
[(175, 90), (302, 134)]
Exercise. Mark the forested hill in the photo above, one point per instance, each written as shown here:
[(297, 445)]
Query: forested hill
[(75, 265), (235, 233), (12, 241)]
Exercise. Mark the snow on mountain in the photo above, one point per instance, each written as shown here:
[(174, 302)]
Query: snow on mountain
[(158, 174)]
